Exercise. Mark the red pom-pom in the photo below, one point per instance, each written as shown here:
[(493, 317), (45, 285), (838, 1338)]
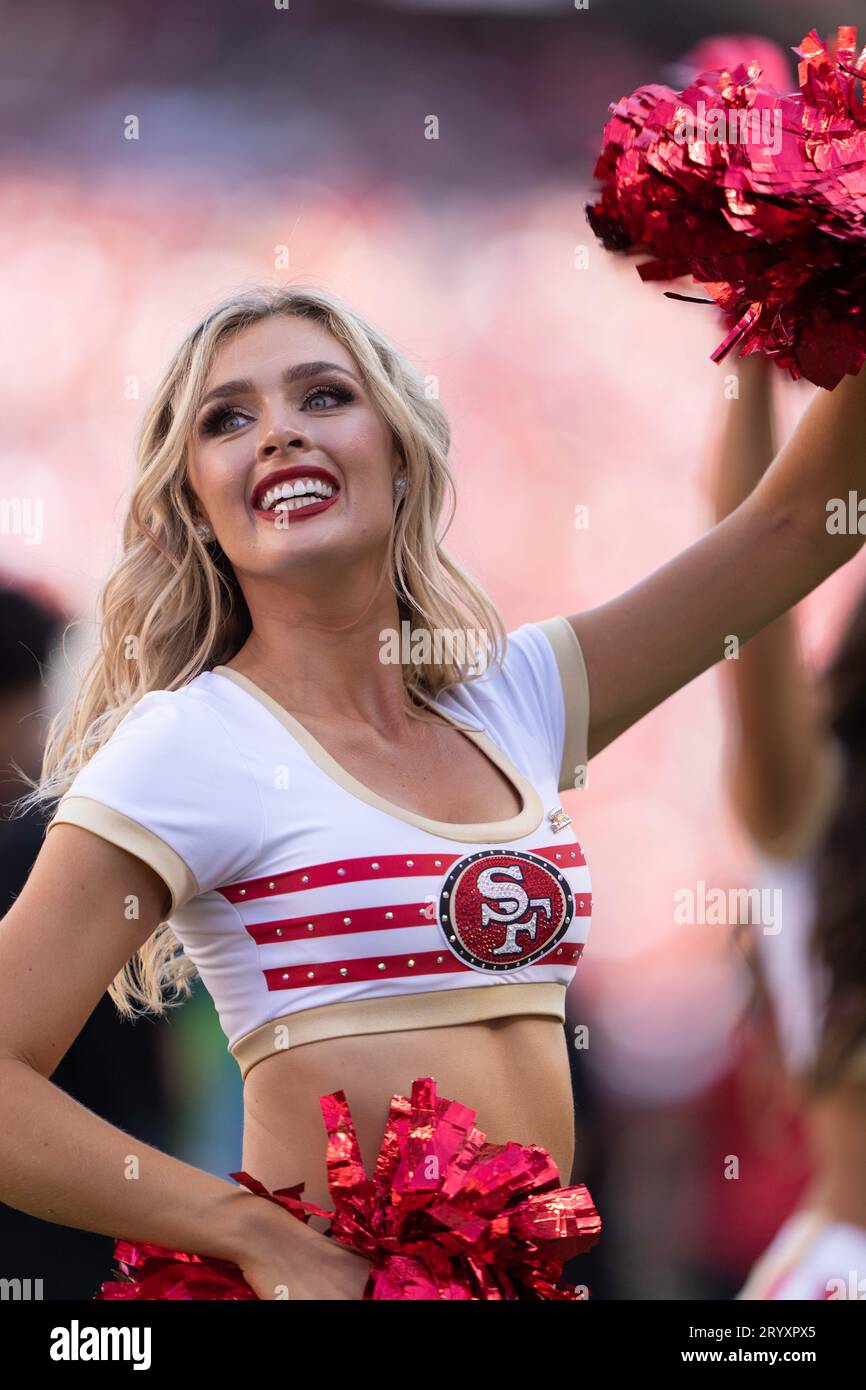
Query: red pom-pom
[(153, 1272), (445, 1216), (759, 196)]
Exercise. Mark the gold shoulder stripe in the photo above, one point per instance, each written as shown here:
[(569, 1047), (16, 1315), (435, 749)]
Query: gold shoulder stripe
[(575, 690), (128, 834)]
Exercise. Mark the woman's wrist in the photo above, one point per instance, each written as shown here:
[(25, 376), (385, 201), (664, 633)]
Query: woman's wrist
[(247, 1223), (754, 367), (746, 445)]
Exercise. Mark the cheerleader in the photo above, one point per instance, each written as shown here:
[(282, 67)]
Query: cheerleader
[(797, 784), (364, 859)]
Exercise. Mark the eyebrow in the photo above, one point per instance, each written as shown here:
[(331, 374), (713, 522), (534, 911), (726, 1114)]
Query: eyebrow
[(301, 370)]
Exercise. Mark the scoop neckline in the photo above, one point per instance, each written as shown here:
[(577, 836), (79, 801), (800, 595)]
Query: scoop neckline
[(524, 822)]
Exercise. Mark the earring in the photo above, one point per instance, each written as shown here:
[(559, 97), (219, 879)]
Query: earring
[(399, 487), (204, 532)]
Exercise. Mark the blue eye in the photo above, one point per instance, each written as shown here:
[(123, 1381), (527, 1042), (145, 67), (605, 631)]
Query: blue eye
[(212, 422), (342, 393)]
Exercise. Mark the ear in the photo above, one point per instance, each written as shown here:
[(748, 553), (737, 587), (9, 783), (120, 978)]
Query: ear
[(399, 476)]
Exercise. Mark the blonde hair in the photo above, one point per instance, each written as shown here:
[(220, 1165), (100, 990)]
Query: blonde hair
[(174, 604)]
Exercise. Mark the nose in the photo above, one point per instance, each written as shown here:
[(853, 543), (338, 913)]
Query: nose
[(279, 438)]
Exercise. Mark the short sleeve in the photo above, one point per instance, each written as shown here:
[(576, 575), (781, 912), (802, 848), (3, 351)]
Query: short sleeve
[(546, 663), (171, 787)]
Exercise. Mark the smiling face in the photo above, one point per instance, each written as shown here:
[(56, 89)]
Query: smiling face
[(285, 415)]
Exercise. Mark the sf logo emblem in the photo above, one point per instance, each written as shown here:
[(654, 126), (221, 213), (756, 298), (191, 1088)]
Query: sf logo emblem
[(502, 909)]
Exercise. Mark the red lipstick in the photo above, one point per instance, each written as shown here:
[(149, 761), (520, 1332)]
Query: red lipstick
[(289, 474)]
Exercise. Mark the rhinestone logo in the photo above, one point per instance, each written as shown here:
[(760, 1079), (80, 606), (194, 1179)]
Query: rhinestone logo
[(503, 909)]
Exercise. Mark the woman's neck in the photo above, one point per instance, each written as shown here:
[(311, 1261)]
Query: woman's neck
[(328, 665)]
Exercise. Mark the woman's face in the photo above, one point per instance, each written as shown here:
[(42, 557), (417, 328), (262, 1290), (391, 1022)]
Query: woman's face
[(270, 423)]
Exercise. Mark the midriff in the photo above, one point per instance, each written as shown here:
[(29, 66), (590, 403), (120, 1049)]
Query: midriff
[(513, 1072)]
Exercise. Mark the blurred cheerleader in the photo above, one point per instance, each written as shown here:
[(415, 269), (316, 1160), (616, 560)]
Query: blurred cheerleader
[(798, 784)]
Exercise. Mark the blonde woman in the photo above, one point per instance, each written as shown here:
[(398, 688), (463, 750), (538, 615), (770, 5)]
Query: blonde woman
[(365, 860)]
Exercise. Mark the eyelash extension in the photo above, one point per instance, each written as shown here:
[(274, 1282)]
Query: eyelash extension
[(212, 421), (332, 388)]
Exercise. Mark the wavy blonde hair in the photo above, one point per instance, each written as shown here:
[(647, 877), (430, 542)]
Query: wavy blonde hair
[(174, 605)]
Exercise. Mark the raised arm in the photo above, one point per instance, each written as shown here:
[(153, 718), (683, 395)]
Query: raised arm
[(782, 769), (753, 566), (65, 938)]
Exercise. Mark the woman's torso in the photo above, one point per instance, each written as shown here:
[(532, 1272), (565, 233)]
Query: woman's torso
[(513, 1071), (363, 915)]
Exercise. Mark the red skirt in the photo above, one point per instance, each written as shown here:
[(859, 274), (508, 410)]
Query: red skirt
[(445, 1215)]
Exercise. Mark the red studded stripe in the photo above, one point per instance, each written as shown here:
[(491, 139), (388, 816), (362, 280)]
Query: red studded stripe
[(340, 871), (387, 917), (342, 972), (563, 856), (367, 869), (342, 923)]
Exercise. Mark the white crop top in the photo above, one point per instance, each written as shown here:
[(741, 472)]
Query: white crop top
[(312, 907), (796, 986)]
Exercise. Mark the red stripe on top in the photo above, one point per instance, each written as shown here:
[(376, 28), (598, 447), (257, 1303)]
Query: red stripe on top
[(442, 962), (384, 917), (564, 856), (342, 923), (383, 866), (339, 871)]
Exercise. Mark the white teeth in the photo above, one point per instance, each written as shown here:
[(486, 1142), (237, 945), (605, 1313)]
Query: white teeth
[(303, 487), (292, 504)]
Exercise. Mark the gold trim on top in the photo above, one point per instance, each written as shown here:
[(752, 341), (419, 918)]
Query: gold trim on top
[(128, 834), (523, 823), (398, 1013), (575, 690)]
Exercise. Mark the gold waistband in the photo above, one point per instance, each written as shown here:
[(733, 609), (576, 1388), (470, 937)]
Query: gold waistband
[(397, 1013)]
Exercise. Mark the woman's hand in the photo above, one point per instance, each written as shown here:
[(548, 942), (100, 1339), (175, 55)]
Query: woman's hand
[(286, 1259)]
